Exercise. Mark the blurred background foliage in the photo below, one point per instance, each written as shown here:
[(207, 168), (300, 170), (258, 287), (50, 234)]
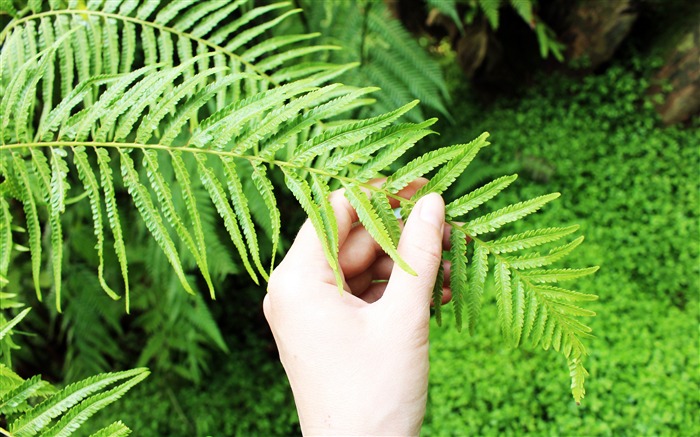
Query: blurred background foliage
[(610, 120)]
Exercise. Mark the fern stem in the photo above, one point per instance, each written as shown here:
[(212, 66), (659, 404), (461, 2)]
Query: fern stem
[(215, 47), (218, 153)]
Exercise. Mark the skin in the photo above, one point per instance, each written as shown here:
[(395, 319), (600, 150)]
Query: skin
[(357, 362)]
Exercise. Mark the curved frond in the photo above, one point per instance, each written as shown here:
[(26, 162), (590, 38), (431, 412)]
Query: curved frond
[(190, 106)]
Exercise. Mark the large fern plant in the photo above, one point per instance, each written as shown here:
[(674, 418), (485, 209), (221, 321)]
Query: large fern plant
[(32, 406), (101, 95)]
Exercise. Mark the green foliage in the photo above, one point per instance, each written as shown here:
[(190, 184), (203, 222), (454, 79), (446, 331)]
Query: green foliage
[(202, 100), (69, 407), (61, 412), (632, 186), (389, 56)]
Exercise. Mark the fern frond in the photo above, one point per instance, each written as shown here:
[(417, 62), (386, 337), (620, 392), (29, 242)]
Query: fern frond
[(113, 217), (418, 167), (164, 196), (76, 416), (302, 192), (5, 238), (92, 188), (117, 429), (448, 8), (530, 239), (477, 197), (454, 168), (220, 200), (266, 190), (183, 179), (352, 133), (380, 204), (492, 221), (59, 187), (534, 260), (153, 220), (240, 204), (33, 227), (556, 275), (7, 327), (11, 401), (504, 298), (458, 274), (393, 137), (477, 280), (40, 416), (437, 293), (373, 224), (490, 10)]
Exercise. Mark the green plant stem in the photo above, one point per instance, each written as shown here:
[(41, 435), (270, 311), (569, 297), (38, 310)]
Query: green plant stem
[(250, 158)]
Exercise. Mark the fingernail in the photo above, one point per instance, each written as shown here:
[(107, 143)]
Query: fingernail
[(432, 210)]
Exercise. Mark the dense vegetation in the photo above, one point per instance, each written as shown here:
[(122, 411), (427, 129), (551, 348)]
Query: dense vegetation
[(630, 184)]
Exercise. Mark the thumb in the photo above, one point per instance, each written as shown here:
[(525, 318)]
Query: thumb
[(421, 247)]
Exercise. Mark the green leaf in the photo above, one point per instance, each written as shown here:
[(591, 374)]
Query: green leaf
[(165, 199), (37, 419), (393, 138), (437, 293), (534, 260), (556, 275), (223, 207), (117, 429), (30, 212), (373, 224), (530, 239), (492, 221), (458, 273), (420, 166), (563, 295), (240, 204), (266, 190), (348, 134), (153, 220), (5, 237), (302, 192), (77, 415), (59, 187), (454, 168), (504, 298), (449, 8), (381, 205), (578, 375), (11, 401), (477, 279), (490, 10), (519, 302), (7, 327), (111, 207), (477, 197), (92, 189)]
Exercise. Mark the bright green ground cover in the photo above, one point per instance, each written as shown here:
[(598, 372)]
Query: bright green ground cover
[(633, 187)]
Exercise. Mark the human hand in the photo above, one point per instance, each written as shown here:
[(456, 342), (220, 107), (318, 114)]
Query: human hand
[(357, 362)]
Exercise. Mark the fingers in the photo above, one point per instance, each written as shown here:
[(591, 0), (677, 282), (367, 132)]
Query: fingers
[(421, 247), (307, 250)]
